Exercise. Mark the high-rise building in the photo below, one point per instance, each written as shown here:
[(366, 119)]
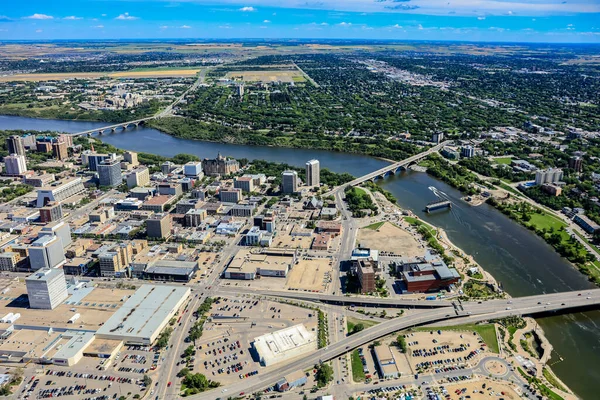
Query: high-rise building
[(231, 195), (109, 173), (313, 173), (59, 150), (60, 229), (138, 177), (46, 252), (158, 226), (131, 158), (437, 137), (93, 160), (246, 183), (193, 169), (51, 212), (14, 145), (467, 152), (111, 262), (576, 163), (167, 167), (15, 164), (9, 261), (68, 139), (46, 288), (289, 182), (550, 175)]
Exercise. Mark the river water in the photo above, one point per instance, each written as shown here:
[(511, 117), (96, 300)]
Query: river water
[(517, 258)]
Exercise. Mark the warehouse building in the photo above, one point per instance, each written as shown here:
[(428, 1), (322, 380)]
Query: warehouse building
[(144, 315), (284, 344), (386, 363), (171, 270)]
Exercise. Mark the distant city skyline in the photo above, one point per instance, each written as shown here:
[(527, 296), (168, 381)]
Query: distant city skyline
[(484, 20)]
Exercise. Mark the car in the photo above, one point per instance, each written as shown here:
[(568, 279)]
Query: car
[(169, 384)]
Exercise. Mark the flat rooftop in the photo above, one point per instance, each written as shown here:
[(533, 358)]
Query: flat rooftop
[(144, 312)]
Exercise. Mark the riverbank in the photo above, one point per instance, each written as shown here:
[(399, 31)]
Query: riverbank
[(548, 228), (464, 262)]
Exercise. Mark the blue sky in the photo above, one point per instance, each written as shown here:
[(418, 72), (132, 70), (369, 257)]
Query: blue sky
[(473, 20)]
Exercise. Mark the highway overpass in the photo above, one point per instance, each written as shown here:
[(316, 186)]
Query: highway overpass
[(473, 312)]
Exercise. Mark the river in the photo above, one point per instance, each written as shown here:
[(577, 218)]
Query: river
[(520, 260)]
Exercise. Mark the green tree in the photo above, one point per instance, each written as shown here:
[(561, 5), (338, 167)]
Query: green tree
[(324, 374)]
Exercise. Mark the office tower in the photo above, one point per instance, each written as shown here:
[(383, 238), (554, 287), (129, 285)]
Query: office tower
[(60, 229), (437, 137), (46, 288), (59, 150), (131, 158), (138, 177), (313, 173), (15, 164), (109, 173), (193, 169), (289, 182), (60, 191), (158, 226), (46, 252), (467, 152), (14, 145), (51, 212), (576, 163)]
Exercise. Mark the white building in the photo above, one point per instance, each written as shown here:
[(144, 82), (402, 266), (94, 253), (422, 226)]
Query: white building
[(285, 344), (550, 175), (59, 191), (60, 229), (46, 288), (46, 252), (289, 182), (15, 164), (193, 169), (313, 173)]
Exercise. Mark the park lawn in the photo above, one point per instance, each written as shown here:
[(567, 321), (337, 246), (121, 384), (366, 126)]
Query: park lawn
[(486, 331), (360, 191), (375, 226), (547, 221), (358, 374), (503, 160), (411, 220)]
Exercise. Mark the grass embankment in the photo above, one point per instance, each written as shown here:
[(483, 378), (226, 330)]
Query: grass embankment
[(552, 379), (544, 390), (358, 374), (351, 323), (374, 226), (486, 331)]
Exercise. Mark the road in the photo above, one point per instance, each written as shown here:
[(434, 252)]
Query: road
[(473, 312)]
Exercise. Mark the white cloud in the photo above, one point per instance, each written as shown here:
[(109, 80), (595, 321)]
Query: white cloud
[(98, 27), (226, 26), (397, 26), (185, 27), (103, 15), (126, 17), (72, 18), (481, 18), (38, 31), (420, 27), (247, 9), (345, 24), (164, 27), (40, 16), (266, 21), (324, 23)]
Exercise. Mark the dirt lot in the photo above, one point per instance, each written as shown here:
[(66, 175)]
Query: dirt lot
[(311, 275), (425, 347), (267, 76), (390, 238), (474, 389)]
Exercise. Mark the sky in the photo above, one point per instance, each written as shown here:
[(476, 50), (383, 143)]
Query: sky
[(470, 20)]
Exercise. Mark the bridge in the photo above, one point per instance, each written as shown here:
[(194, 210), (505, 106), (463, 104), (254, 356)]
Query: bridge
[(388, 170), (469, 311)]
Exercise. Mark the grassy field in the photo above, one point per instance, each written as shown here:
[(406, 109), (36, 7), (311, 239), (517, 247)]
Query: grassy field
[(503, 160), (486, 331), (374, 226), (352, 322), (547, 221), (358, 374)]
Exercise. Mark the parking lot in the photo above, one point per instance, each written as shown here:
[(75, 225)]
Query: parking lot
[(443, 351), (477, 390), (223, 352)]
